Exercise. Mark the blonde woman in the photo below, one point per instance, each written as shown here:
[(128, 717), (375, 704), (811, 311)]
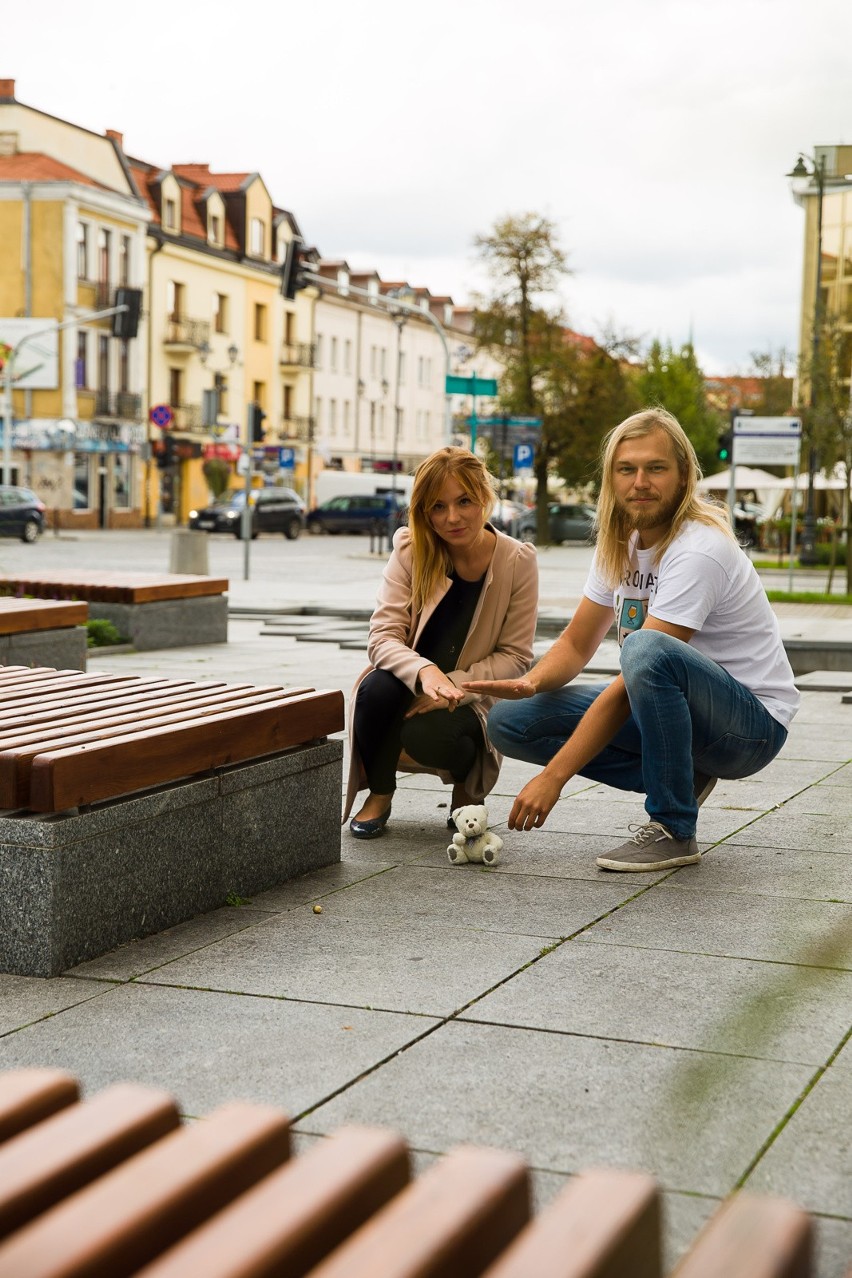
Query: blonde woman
[(458, 601)]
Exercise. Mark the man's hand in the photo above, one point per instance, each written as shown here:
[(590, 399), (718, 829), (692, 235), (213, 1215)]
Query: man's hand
[(534, 803), (507, 689)]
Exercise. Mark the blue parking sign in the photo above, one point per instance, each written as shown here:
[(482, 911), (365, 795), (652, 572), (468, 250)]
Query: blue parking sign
[(524, 454)]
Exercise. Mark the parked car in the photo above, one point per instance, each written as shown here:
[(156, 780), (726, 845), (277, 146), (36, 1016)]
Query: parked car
[(566, 523), (358, 514), (505, 516), (21, 513), (276, 510)]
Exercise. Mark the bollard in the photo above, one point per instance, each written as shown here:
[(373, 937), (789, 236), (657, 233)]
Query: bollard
[(188, 552)]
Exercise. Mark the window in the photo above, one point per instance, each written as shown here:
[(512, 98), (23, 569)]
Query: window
[(82, 500), (104, 238), (259, 322), (103, 362), (346, 410), (175, 294), (332, 362), (220, 313), (383, 362), (332, 416), (318, 363), (347, 357), (124, 365), (373, 361), (169, 214), (288, 402), (124, 260), (81, 366), (318, 409), (175, 387), (258, 393), (419, 370), (382, 420), (121, 480), (215, 229), (82, 251), (289, 328), (257, 237)]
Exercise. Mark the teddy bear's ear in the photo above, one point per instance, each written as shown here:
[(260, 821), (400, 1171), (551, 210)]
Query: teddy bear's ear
[(455, 813)]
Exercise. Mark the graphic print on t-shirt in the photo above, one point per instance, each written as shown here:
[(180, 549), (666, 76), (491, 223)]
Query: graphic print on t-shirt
[(631, 617)]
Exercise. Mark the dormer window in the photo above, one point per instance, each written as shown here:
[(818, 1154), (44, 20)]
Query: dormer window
[(373, 290), (215, 229), (257, 237), (170, 214), (343, 282)]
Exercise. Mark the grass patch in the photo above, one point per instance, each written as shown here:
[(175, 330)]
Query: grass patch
[(807, 597), (102, 633)]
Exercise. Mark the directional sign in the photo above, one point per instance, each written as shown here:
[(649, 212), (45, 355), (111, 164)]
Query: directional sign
[(161, 415), (470, 386), (523, 457), (774, 441), (532, 423)]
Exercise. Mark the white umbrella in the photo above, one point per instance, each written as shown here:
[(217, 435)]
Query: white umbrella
[(745, 477)]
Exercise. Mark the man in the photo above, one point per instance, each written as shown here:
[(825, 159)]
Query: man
[(705, 689)]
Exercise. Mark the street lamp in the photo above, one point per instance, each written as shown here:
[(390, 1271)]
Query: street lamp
[(801, 178), (400, 318), (373, 402)]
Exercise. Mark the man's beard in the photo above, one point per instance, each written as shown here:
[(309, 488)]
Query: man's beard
[(641, 518)]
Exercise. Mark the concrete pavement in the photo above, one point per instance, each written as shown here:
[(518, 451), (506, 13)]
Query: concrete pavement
[(695, 1024)]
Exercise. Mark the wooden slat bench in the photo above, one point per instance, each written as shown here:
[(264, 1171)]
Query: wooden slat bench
[(43, 632), (152, 610), (84, 757), (115, 1186)]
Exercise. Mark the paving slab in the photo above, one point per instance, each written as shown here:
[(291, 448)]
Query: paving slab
[(773, 1011), (342, 958), (567, 1103), (804, 830), (210, 1048), (730, 924), (810, 1161), (769, 871), (25, 999)]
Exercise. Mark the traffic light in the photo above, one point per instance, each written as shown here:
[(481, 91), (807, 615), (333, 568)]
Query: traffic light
[(166, 452), (294, 268), (126, 323), (256, 418), (726, 445)]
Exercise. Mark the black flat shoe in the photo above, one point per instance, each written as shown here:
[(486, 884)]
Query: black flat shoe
[(372, 829)]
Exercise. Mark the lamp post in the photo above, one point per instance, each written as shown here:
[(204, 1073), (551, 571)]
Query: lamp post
[(800, 181), (400, 318)]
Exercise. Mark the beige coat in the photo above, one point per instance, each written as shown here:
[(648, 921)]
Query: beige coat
[(499, 643)]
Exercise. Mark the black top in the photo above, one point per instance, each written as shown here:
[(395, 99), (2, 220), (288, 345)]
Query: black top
[(446, 630)]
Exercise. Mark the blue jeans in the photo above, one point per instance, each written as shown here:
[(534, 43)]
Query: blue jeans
[(688, 715)]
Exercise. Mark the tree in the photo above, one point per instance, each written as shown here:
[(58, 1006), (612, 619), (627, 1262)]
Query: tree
[(828, 420), (776, 386), (673, 380), (218, 474), (525, 264)]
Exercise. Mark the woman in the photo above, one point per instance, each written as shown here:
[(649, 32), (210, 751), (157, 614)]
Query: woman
[(458, 601)]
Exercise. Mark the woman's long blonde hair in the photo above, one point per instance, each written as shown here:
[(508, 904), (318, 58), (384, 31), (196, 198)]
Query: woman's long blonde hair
[(430, 559), (613, 524)]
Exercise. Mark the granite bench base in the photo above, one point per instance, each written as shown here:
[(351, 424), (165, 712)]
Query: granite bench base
[(168, 623), (75, 885), (61, 649)]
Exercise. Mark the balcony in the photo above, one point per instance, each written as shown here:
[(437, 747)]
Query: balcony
[(184, 335), (187, 417), (122, 405), (296, 428), (298, 354)]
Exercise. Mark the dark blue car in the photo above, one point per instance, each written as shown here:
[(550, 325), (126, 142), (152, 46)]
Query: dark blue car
[(358, 514), (21, 513)]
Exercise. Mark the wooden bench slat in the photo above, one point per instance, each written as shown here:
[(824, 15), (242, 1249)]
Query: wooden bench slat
[(51, 1160), (29, 1095), (294, 1217), (86, 774), (450, 1223), (116, 587), (16, 762), (128, 1216), (29, 691), (63, 705), (20, 615), (604, 1224), (752, 1237)]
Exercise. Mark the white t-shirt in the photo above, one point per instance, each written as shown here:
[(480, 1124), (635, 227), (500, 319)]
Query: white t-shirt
[(706, 582)]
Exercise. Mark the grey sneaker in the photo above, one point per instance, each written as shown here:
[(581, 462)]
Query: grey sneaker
[(702, 786), (651, 848)]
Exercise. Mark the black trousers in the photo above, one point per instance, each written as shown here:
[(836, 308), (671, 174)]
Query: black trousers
[(440, 739)]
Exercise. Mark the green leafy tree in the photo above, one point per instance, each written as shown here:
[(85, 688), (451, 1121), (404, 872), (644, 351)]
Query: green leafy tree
[(828, 420), (673, 380), (776, 384), (218, 474)]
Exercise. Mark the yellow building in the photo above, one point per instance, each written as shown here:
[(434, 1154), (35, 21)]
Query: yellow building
[(73, 230)]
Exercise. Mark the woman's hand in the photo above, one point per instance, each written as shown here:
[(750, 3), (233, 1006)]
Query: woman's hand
[(423, 705), (534, 803), (507, 689), (438, 688)]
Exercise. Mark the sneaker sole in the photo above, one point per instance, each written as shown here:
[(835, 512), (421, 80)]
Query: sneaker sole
[(630, 867)]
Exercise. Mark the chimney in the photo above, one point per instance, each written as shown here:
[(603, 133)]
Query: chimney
[(7, 90), (114, 135)]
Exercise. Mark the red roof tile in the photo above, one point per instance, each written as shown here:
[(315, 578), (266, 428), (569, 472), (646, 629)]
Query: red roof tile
[(33, 166)]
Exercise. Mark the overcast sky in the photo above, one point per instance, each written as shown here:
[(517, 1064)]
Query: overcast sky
[(655, 134)]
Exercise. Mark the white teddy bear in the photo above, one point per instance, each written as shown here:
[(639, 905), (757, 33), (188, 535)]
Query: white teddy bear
[(474, 841)]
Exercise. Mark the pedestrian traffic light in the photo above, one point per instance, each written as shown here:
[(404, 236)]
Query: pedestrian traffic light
[(726, 440), (294, 268), (256, 418), (126, 323)]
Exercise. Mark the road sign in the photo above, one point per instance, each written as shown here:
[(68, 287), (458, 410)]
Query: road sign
[(470, 386), (532, 423), (523, 457), (161, 415), (774, 441)]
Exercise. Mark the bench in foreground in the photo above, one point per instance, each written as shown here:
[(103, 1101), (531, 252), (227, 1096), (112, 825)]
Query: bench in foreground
[(116, 1185), (151, 610), (130, 804)]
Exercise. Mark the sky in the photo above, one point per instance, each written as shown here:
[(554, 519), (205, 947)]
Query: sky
[(655, 136)]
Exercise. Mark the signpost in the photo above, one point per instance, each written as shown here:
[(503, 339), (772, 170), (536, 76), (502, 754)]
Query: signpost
[(773, 441), (161, 415), (472, 386)]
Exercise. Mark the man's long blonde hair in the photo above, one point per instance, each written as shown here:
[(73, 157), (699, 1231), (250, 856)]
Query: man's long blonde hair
[(613, 524), (430, 558)]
